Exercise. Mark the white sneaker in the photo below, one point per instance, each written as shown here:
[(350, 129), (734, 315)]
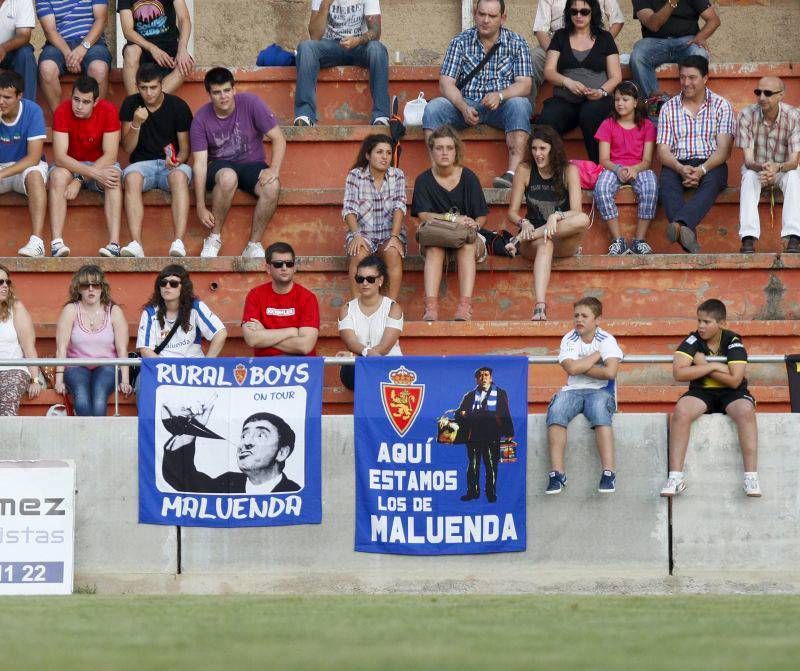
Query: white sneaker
[(211, 247), (381, 121), (254, 250), (34, 248), (673, 487), (177, 248), (132, 249), (58, 248), (751, 486)]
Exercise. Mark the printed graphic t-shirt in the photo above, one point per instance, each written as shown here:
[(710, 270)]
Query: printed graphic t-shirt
[(347, 18), (297, 308), (154, 21), (239, 137), (86, 135)]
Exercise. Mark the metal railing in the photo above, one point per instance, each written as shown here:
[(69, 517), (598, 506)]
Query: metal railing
[(334, 361)]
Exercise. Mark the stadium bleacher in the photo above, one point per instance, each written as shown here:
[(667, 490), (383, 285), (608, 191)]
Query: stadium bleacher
[(649, 300)]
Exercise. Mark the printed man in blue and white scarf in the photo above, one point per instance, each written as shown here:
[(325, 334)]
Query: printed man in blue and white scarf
[(484, 418)]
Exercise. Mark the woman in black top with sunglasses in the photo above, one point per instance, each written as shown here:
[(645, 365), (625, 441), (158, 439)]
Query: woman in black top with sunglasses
[(583, 67), (370, 325), (175, 321)]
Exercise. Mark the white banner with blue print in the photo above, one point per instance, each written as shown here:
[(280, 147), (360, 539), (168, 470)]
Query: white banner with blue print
[(230, 442)]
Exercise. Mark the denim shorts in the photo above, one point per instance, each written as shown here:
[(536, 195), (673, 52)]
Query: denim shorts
[(597, 405), (98, 52), (156, 173), (89, 184)]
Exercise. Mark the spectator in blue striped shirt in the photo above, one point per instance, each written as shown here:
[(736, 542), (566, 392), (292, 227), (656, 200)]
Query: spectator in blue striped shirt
[(76, 43), (495, 94)]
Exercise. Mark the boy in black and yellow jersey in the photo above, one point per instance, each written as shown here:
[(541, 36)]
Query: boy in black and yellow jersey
[(713, 387)]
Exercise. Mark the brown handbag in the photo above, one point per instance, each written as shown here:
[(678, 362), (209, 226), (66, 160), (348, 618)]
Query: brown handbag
[(445, 234)]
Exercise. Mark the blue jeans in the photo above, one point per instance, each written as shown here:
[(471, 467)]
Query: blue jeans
[(23, 62), (690, 211), (650, 52), (315, 54), (513, 114), (88, 184), (90, 389), (597, 405)]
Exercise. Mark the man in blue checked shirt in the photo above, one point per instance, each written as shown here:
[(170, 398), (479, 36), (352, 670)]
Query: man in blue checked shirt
[(493, 92)]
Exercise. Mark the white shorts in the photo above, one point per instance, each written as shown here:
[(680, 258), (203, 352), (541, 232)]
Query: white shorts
[(16, 183)]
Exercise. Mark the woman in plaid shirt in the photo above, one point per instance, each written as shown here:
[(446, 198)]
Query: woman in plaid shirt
[(373, 210)]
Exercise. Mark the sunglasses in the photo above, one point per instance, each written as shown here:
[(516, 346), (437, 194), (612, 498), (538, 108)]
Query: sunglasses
[(766, 92), (583, 12), (5, 283), (360, 279), (282, 264), (84, 286), (169, 283)]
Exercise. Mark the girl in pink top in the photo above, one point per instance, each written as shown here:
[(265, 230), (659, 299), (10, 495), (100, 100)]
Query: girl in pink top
[(91, 325), (627, 142)]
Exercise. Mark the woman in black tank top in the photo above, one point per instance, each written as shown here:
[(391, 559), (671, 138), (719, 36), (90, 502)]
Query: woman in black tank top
[(555, 220)]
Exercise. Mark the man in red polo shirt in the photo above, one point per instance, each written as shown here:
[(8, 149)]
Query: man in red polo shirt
[(280, 317), (86, 131)]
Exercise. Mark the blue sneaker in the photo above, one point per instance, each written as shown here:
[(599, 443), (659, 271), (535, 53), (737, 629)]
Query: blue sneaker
[(608, 483), (557, 482)]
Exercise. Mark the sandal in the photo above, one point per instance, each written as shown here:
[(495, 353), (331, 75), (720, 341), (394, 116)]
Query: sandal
[(539, 312)]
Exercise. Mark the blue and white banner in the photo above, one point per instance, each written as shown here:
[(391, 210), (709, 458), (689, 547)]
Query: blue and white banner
[(440, 454), (230, 442)]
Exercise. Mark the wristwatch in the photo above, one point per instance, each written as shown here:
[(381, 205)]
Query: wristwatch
[(86, 44)]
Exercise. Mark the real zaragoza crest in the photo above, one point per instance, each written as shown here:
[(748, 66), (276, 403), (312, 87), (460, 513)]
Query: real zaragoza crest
[(402, 399)]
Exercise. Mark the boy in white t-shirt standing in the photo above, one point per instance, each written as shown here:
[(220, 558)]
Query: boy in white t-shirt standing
[(343, 32), (591, 357)]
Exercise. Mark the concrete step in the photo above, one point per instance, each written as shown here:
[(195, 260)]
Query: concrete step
[(311, 219), (760, 286), (343, 92)]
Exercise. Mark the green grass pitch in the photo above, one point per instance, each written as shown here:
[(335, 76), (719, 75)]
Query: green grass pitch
[(492, 633)]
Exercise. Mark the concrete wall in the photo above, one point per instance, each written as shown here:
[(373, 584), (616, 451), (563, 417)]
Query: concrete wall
[(232, 32), (600, 534), (714, 527), (577, 541), (108, 537)]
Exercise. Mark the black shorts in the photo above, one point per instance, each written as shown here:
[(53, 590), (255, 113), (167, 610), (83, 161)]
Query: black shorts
[(717, 400), (247, 173), (147, 57)]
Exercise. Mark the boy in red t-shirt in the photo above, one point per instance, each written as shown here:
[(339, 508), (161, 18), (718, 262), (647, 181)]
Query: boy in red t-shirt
[(86, 130), (280, 317)]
